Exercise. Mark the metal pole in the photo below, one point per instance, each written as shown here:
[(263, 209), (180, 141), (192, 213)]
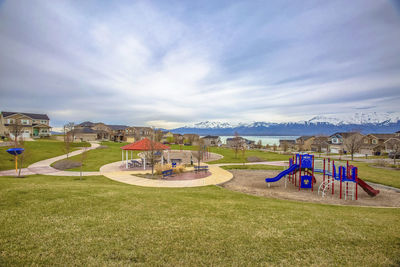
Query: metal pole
[(300, 172), (333, 177), (340, 173), (312, 178)]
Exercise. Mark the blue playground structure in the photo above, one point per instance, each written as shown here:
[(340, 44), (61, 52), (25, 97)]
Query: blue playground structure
[(301, 173), (15, 151)]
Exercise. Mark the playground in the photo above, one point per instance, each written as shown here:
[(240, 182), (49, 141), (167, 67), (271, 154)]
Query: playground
[(253, 182)]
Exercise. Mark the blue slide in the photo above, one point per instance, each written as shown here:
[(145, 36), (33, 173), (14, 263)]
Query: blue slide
[(291, 169)]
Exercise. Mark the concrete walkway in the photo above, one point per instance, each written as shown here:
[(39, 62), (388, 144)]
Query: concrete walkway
[(112, 171), (43, 166), (271, 163)]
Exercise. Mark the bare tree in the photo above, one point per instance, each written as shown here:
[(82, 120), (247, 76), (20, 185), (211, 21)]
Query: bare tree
[(16, 130), (394, 146), (274, 147), (259, 144), (243, 150), (199, 153), (236, 144), (353, 143), (285, 146), (82, 161), (69, 136), (319, 142)]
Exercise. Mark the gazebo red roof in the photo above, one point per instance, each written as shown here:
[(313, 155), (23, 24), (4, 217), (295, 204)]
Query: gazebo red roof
[(145, 145)]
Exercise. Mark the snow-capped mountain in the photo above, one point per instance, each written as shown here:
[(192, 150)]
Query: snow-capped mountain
[(357, 118), (210, 125), (321, 124)]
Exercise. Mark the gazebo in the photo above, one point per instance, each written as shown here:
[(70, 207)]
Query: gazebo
[(143, 145)]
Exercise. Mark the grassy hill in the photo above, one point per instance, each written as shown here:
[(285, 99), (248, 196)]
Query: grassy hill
[(63, 221)]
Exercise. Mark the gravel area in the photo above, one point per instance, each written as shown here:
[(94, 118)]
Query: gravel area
[(253, 182)]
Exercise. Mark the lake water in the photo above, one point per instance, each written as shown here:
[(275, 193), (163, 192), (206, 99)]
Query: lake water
[(265, 140)]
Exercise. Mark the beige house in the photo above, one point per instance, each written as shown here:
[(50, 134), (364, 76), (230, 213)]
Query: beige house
[(191, 139), (392, 144), (135, 133), (33, 125), (320, 144), (211, 140), (374, 144), (303, 143)]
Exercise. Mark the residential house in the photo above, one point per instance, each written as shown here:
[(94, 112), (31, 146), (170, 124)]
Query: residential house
[(33, 125), (320, 144), (191, 139), (303, 143), (2, 127), (287, 144), (373, 144), (167, 137), (211, 140), (103, 132), (337, 141), (240, 142), (118, 132), (84, 134), (178, 139), (392, 144), (135, 133)]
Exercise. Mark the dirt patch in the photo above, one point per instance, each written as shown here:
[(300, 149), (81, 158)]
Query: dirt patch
[(254, 159), (66, 164), (102, 147), (253, 182)]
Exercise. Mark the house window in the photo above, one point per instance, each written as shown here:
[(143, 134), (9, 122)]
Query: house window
[(43, 121), (24, 122), (10, 121), (374, 141)]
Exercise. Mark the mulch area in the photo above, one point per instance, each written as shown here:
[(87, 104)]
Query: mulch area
[(253, 182), (188, 176), (178, 176)]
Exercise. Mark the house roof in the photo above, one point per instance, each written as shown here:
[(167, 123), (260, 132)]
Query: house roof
[(287, 141), (34, 116), (210, 137), (382, 136), (118, 127), (343, 134), (86, 124), (305, 137), (85, 130), (144, 145)]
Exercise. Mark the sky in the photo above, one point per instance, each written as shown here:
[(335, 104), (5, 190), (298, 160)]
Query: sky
[(172, 63)]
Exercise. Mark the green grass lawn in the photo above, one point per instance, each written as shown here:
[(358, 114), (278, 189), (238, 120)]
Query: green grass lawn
[(64, 221), (229, 154), (36, 151), (99, 157), (377, 175)]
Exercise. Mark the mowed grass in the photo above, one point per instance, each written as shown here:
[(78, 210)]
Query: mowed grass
[(64, 221), (229, 154), (377, 175), (98, 157), (36, 151)]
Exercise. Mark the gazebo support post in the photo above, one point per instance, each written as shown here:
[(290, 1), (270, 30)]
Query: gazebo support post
[(169, 162), (144, 162), (122, 156), (162, 158), (126, 163)]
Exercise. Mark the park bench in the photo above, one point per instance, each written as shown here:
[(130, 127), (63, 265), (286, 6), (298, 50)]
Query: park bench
[(200, 168), (167, 173)]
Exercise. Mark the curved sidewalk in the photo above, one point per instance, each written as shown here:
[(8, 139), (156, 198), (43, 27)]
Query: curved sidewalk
[(218, 176), (43, 166)]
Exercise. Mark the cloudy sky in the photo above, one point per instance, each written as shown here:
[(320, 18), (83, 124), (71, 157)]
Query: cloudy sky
[(171, 63)]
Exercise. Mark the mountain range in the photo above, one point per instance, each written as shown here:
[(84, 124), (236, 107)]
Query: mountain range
[(317, 125)]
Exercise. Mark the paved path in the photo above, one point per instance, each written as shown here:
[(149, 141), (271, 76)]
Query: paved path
[(112, 171), (43, 166)]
